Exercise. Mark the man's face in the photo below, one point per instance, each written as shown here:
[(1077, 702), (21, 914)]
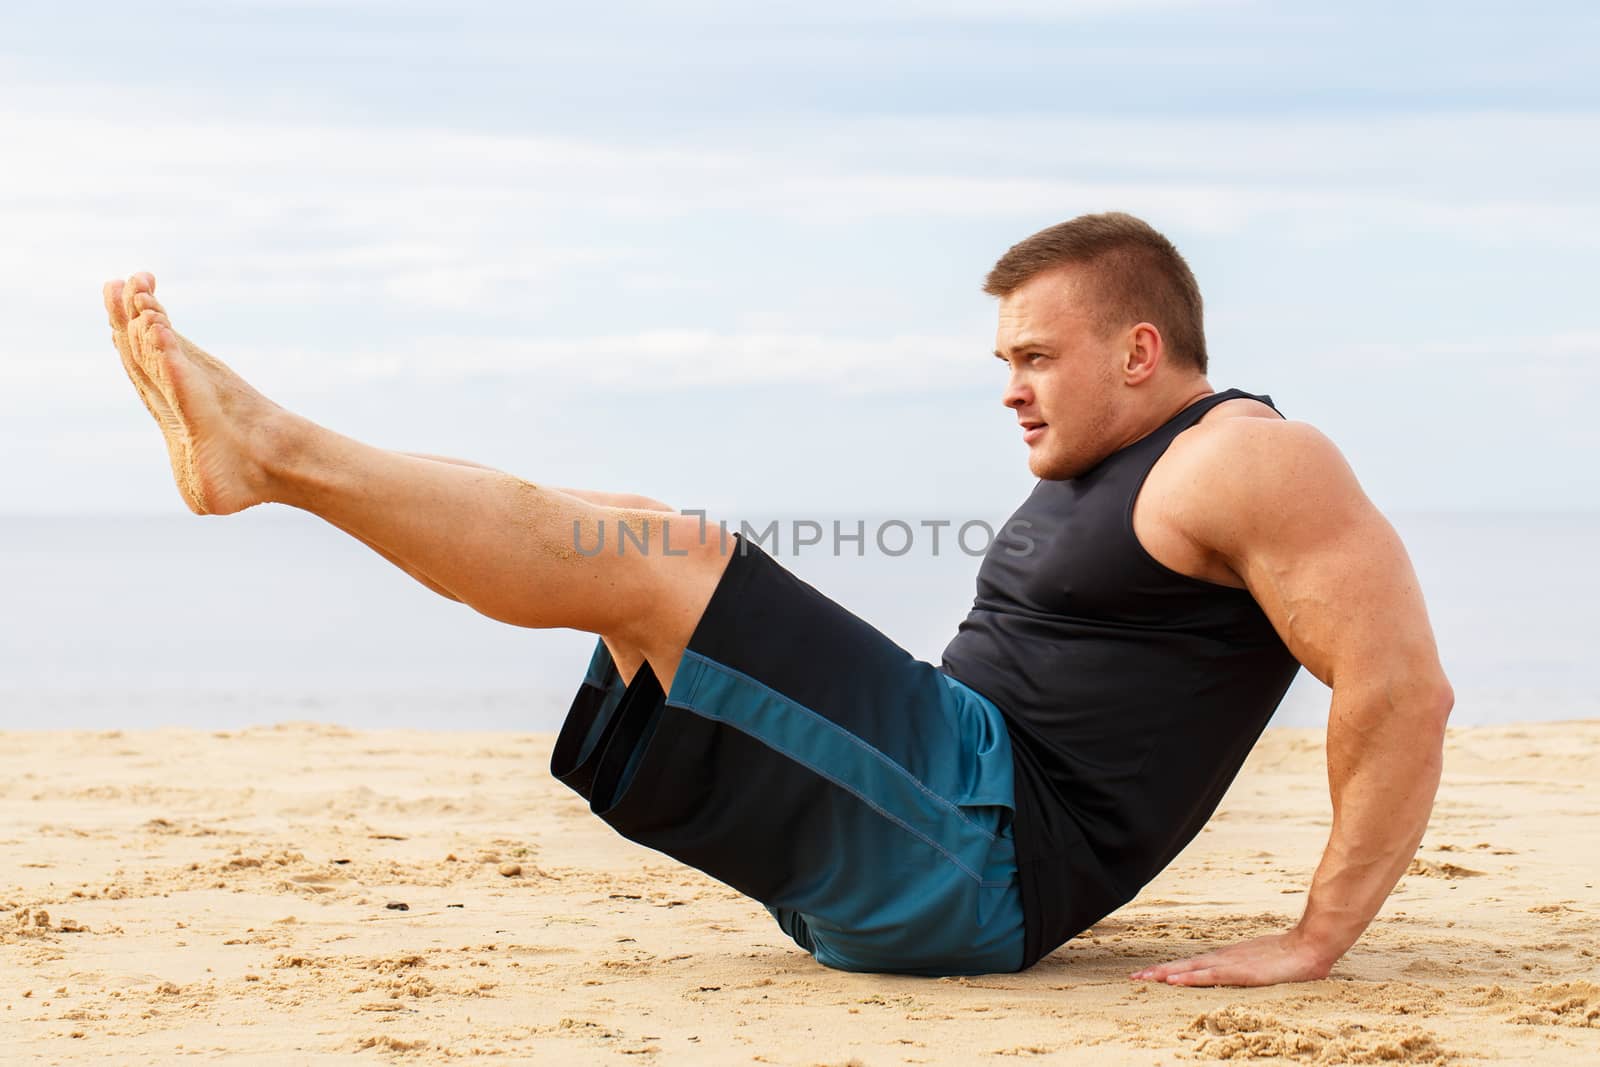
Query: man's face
[(1065, 373)]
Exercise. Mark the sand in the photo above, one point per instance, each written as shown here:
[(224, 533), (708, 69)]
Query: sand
[(308, 894)]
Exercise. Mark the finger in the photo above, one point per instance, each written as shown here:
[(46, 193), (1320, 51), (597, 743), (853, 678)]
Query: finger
[(1161, 972), (1204, 976), (1234, 975)]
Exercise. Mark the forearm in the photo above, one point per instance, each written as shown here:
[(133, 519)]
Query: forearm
[(1385, 756)]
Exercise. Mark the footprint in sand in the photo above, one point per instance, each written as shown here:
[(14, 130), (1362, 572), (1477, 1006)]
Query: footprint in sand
[(1421, 868), (1235, 1034)]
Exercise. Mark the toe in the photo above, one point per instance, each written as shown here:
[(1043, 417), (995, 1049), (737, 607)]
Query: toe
[(155, 337), (112, 293), (148, 302), (129, 288), (148, 321), (139, 332), (149, 311), (142, 282)]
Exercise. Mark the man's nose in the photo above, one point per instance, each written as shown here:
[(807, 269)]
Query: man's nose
[(1016, 394)]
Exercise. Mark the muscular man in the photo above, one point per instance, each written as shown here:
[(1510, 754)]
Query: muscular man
[(1183, 553)]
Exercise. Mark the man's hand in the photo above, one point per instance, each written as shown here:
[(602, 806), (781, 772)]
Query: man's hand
[(1260, 961)]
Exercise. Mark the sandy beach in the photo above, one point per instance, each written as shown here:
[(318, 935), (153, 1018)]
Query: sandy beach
[(305, 893)]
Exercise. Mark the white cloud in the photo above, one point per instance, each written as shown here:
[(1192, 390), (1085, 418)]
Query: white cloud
[(1572, 350), (646, 361), (381, 221), (327, 201), (409, 218), (475, 236)]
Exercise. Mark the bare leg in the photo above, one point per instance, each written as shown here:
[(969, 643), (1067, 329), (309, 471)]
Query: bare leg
[(507, 548), (627, 658)]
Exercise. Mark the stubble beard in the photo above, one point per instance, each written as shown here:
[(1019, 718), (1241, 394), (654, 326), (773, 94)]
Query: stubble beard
[(1090, 449)]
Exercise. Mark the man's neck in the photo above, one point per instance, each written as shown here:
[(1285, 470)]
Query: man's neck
[(1156, 415)]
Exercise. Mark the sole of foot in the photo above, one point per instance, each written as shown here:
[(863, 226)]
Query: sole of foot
[(210, 418)]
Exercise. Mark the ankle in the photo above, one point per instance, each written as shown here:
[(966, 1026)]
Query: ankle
[(282, 449)]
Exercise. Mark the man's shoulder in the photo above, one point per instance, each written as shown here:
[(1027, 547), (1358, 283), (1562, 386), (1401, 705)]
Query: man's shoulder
[(1240, 478), (1240, 407), (1242, 438), (1245, 467)]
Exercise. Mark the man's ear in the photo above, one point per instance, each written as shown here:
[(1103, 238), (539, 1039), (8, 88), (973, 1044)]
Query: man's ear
[(1143, 353)]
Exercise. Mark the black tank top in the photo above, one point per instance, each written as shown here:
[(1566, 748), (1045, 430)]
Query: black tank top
[(1133, 693)]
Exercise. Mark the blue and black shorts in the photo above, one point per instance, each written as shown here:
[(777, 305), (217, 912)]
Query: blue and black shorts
[(864, 796)]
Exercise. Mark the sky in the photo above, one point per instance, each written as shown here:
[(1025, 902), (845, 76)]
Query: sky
[(729, 255)]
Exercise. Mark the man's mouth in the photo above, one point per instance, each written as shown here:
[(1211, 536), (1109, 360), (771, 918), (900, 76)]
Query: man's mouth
[(1032, 430)]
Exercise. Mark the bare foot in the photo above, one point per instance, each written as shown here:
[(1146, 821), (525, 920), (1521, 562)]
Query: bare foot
[(214, 423)]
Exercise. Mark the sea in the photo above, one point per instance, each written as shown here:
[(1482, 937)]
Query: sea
[(127, 622)]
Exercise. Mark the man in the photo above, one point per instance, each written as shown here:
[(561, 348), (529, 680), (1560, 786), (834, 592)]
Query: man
[(1183, 553)]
